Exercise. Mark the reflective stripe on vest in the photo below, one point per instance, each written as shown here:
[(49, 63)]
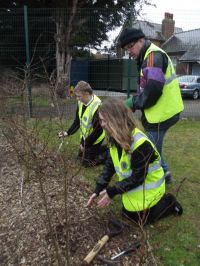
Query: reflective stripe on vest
[(151, 168), (148, 186), (167, 81), (172, 75)]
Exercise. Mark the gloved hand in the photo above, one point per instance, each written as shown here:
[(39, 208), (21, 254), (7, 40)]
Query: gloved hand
[(129, 102), (62, 134)]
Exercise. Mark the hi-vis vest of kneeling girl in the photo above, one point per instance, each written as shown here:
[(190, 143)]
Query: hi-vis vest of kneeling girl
[(151, 191)]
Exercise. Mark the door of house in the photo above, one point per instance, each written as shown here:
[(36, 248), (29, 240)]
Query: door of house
[(196, 69)]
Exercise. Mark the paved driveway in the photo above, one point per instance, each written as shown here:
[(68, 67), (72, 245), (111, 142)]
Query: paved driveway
[(192, 109)]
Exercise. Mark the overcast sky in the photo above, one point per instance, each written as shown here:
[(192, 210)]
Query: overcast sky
[(186, 12), (186, 15)]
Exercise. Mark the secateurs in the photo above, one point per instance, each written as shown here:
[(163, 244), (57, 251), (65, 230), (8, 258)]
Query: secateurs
[(114, 260)]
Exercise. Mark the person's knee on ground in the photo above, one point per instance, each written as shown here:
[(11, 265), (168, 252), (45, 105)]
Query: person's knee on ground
[(85, 158), (94, 156), (168, 205), (139, 218)]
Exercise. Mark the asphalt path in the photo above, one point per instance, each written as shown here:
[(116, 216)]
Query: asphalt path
[(191, 108)]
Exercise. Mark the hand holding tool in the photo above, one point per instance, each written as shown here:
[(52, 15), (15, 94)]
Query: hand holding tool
[(62, 134)]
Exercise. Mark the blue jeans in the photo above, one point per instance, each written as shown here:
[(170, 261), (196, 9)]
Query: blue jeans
[(157, 138)]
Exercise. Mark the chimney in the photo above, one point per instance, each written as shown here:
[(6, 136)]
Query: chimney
[(168, 25)]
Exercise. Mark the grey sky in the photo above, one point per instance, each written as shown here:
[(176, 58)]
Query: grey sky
[(186, 12), (186, 15)]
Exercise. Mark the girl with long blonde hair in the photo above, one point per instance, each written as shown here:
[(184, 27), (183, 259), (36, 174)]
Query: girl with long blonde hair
[(135, 160), (120, 122)]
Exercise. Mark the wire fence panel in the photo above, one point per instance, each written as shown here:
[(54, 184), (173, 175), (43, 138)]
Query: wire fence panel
[(109, 71)]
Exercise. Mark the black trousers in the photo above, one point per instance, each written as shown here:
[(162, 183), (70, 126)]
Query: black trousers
[(164, 208), (93, 155)]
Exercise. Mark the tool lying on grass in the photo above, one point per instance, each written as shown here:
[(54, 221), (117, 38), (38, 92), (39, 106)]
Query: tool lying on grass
[(114, 227), (115, 259)]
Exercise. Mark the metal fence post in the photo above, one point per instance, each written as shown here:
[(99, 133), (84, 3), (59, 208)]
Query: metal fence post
[(131, 18), (129, 77), (28, 86)]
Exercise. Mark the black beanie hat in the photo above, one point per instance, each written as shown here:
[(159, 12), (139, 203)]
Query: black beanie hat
[(130, 35)]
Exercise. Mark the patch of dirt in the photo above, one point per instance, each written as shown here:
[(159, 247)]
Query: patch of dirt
[(26, 237)]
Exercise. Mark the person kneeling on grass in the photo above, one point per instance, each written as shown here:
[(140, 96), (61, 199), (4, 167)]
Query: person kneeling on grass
[(135, 160), (92, 151)]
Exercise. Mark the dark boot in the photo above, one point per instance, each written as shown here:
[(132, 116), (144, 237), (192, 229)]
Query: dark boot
[(168, 177), (178, 210)]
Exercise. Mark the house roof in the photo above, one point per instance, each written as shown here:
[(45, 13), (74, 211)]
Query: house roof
[(152, 30), (192, 54), (186, 42)]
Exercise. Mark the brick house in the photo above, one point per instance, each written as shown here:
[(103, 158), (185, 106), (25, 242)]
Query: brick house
[(155, 32), (183, 47), (184, 50)]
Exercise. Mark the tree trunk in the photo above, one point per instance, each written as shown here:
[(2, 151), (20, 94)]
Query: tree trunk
[(63, 61), (63, 56)]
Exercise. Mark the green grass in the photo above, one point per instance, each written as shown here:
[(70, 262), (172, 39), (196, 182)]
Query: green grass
[(175, 240), (37, 100), (13, 101), (48, 130), (41, 101)]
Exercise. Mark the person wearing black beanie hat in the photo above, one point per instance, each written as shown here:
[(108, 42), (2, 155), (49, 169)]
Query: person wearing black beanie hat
[(129, 36), (158, 93)]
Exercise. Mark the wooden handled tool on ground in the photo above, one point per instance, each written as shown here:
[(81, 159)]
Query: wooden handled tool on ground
[(114, 227), (96, 249)]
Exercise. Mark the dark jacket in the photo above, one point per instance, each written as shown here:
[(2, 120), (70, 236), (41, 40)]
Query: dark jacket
[(140, 159)]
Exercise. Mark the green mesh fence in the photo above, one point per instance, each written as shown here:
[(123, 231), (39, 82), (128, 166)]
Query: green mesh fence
[(109, 73)]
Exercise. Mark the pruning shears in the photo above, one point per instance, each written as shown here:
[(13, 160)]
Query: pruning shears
[(61, 144), (115, 259)]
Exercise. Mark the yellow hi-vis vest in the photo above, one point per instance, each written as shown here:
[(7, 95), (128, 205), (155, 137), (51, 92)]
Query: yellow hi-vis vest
[(86, 127), (170, 102), (153, 188)]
